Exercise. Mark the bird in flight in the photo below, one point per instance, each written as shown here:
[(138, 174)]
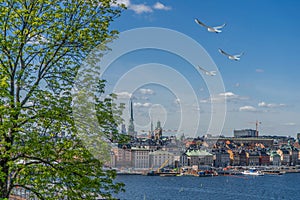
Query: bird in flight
[(215, 29), (231, 57), (210, 73)]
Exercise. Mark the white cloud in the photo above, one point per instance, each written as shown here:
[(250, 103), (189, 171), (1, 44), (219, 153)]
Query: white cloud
[(38, 39), (259, 70), (160, 6), (204, 101), (229, 96), (145, 105), (140, 8), (289, 124), (119, 2), (270, 105), (146, 91), (247, 109), (137, 8), (123, 95), (143, 98)]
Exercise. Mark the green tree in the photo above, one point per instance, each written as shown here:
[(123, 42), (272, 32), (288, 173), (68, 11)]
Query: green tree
[(42, 44)]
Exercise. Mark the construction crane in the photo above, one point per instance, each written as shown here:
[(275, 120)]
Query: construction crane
[(256, 127), (257, 123), (163, 165)]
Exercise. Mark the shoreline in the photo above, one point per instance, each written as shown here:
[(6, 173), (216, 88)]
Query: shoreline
[(236, 172)]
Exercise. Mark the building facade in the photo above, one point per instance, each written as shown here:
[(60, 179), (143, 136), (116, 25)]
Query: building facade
[(198, 158), (244, 133), (284, 156), (222, 159), (275, 159), (123, 156), (264, 159), (158, 158), (253, 159), (140, 158)]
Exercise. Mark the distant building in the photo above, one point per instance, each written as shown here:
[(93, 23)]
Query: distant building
[(264, 159), (235, 159), (131, 130), (158, 158), (158, 131), (295, 154), (222, 159), (284, 156), (267, 142), (253, 159), (275, 158), (243, 158), (244, 133), (198, 158), (123, 156), (140, 158)]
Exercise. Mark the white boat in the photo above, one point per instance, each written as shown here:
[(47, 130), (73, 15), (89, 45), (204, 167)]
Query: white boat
[(253, 172)]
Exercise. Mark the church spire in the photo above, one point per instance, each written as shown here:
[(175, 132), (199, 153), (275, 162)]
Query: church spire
[(131, 130), (131, 110)]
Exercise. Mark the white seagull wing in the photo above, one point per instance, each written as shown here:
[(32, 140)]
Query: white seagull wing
[(210, 73), (223, 52), (240, 54), (219, 27), (200, 23), (203, 69), (213, 73)]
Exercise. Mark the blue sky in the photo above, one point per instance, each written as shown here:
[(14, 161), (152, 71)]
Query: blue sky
[(263, 85)]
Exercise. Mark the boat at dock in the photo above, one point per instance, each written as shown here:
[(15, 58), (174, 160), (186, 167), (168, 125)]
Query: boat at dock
[(168, 174), (253, 172), (273, 172), (207, 173)]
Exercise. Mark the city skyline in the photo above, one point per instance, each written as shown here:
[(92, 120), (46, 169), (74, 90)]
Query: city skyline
[(261, 86)]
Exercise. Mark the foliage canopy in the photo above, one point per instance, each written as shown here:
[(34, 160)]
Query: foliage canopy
[(42, 44)]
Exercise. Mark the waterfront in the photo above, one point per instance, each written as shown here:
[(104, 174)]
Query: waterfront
[(222, 187)]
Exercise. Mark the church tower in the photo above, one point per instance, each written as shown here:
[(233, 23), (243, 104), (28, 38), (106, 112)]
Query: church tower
[(131, 131), (158, 131)]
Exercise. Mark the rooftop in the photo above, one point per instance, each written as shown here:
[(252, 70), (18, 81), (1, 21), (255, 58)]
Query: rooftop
[(198, 153)]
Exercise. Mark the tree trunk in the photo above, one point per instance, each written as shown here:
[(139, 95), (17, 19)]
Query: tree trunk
[(4, 193)]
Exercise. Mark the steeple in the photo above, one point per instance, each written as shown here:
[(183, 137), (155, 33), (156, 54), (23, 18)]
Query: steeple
[(131, 130), (131, 110), (151, 130)]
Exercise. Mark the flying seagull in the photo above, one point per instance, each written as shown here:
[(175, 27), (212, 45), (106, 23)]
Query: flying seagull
[(231, 57), (215, 29), (210, 73)]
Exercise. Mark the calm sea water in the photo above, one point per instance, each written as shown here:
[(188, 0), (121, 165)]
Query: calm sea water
[(222, 187)]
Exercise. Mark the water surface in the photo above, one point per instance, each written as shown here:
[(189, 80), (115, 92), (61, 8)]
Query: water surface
[(222, 187)]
